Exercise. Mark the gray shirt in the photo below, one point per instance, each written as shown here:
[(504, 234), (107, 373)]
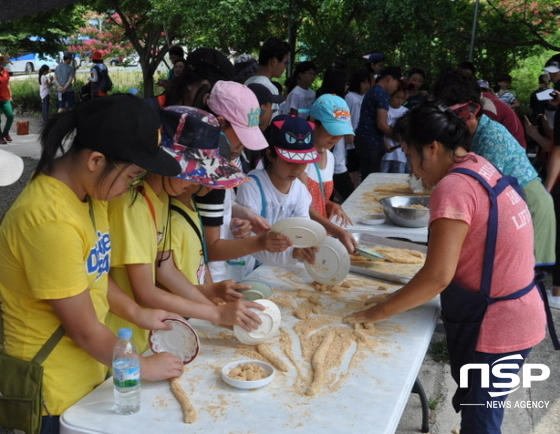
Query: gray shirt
[(63, 73)]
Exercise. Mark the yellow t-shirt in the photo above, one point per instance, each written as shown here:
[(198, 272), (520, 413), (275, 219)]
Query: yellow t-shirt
[(135, 236), (49, 249), (188, 253)]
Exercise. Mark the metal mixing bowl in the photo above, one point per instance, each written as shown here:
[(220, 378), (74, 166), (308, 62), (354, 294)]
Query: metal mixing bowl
[(396, 211)]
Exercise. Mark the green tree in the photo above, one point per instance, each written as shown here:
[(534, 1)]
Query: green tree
[(150, 29), (45, 32)]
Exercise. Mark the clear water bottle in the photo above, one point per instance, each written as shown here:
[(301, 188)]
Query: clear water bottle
[(236, 268), (126, 374)]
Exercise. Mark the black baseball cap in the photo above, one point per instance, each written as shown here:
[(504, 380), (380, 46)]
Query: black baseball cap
[(264, 95), (125, 127)]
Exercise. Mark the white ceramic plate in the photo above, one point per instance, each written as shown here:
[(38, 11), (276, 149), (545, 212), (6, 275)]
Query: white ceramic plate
[(258, 290), (240, 384), (301, 231), (332, 262), (270, 317), (372, 219), (182, 341)]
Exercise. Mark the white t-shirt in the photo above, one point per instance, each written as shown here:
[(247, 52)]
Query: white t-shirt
[(218, 269), (43, 88), (279, 206), (398, 154), (299, 99), (326, 173), (339, 153), (265, 81), (354, 102)]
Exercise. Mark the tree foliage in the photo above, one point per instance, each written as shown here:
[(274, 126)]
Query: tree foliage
[(101, 34), (431, 34), (45, 33)]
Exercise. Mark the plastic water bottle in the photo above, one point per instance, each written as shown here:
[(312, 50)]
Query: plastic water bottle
[(236, 268), (126, 374)]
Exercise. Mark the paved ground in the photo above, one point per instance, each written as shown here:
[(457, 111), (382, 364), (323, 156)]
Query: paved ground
[(434, 375)]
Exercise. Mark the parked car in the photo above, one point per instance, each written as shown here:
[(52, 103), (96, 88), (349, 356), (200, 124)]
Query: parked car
[(131, 60)]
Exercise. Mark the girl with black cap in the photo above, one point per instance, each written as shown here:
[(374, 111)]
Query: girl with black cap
[(55, 248), (143, 259)]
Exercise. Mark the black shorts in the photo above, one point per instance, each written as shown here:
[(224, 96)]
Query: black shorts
[(352, 160)]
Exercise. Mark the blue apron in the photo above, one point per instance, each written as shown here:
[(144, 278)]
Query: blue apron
[(463, 310)]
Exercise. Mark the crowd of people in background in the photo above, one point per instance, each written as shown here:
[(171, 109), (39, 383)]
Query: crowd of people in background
[(179, 181)]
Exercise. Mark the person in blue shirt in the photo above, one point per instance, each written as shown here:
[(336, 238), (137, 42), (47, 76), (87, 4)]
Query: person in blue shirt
[(373, 121)]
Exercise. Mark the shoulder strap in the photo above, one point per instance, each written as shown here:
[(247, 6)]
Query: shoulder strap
[(195, 228), (263, 198), (45, 350), (492, 233)]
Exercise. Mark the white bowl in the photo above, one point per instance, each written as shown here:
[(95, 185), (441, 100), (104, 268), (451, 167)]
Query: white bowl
[(372, 219), (240, 384), (270, 317)]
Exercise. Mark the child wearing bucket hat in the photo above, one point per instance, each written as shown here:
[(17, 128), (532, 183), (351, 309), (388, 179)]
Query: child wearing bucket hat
[(331, 116), (142, 261), (276, 192), (55, 247)]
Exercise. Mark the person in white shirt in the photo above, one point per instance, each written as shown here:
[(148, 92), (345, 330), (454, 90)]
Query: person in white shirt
[(276, 192), (274, 56), (394, 160), (300, 96), (45, 83)]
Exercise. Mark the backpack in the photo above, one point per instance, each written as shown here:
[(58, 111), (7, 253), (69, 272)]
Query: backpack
[(104, 83)]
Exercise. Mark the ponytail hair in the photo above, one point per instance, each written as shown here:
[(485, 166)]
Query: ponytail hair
[(54, 137), (42, 71)]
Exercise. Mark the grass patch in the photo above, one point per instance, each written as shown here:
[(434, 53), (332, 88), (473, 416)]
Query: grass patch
[(26, 91), (434, 402), (438, 351)]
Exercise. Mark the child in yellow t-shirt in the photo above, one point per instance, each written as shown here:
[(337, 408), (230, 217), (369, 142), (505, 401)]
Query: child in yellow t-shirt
[(143, 259), (55, 247)]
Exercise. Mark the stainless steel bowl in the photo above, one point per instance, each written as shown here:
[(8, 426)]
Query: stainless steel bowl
[(396, 211)]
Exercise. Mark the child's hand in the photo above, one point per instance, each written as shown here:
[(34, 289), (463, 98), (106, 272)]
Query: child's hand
[(334, 210), (226, 290), (238, 313), (240, 228), (160, 366), (347, 239), (259, 223), (307, 254), (274, 242), (152, 319)]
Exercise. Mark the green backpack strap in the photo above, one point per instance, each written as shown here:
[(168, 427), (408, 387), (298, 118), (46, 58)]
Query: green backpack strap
[(45, 350), (52, 342)]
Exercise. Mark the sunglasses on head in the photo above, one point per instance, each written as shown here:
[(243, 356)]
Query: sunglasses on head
[(466, 111)]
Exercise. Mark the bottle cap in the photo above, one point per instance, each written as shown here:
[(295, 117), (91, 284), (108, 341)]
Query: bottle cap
[(125, 333)]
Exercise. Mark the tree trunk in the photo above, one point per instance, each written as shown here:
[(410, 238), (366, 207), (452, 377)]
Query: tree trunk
[(148, 78)]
